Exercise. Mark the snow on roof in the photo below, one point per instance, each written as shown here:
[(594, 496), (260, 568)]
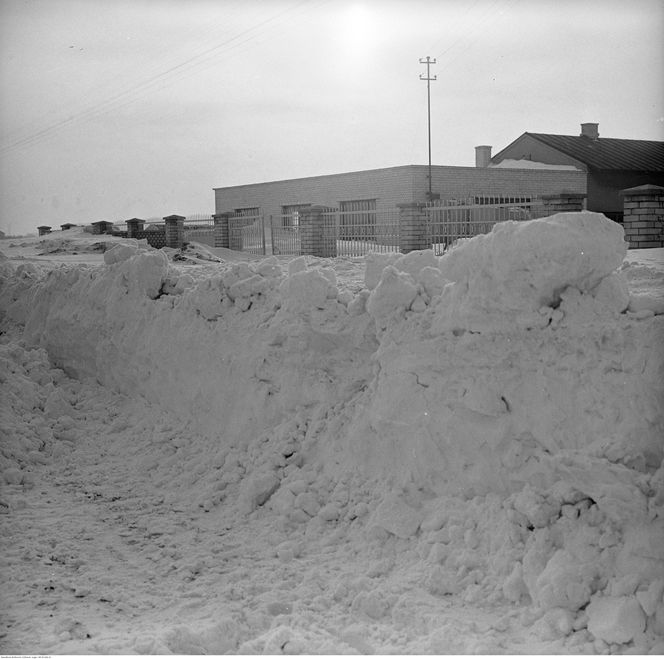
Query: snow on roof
[(605, 153), (530, 164)]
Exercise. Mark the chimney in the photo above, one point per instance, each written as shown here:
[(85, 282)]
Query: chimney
[(482, 156), (590, 130)]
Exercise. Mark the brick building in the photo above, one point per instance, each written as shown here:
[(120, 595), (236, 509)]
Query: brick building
[(382, 189), (610, 165)]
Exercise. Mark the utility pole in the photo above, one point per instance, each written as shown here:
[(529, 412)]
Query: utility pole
[(428, 61)]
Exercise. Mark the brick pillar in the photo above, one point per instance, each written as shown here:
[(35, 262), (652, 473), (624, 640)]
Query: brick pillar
[(643, 218), (174, 231), (328, 233), (221, 230), (318, 232), (309, 225), (563, 202), (134, 226), (413, 233)]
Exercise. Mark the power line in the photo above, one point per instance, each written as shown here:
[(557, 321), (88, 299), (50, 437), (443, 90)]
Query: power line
[(494, 9), (108, 86), (465, 36), (456, 27), (158, 81)]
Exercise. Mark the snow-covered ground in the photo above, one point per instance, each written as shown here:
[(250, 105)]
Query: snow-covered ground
[(207, 453)]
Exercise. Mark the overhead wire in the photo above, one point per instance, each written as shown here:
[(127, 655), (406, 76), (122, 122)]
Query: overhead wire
[(106, 102), (164, 78), (105, 85), (105, 88), (468, 36), (174, 109), (444, 62), (456, 28), (135, 91), (211, 60)]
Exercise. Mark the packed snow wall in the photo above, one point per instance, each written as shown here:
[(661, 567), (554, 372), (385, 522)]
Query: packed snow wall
[(464, 373), (496, 411)]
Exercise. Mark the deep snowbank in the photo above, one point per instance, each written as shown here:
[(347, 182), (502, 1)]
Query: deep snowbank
[(497, 409)]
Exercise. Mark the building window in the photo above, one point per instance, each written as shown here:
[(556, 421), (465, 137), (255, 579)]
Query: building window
[(247, 212), (290, 215), (508, 207), (502, 201), (245, 217)]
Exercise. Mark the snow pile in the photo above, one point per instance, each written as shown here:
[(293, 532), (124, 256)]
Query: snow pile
[(646, 285), (64, 245), (29, 405), (521, 356), (484, 426), (522, 269)]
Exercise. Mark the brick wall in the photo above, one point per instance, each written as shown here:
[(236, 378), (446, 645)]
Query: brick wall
[(395, 185), (643, 218), (460, 182), (388, 186)]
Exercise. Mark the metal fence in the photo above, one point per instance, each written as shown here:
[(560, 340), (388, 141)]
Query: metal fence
[(359, 232), (356, 232), (199, 228), (285, 234), (246, 233), (450, 220)]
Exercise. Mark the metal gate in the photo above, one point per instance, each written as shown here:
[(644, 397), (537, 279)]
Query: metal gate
[(199, 229), (366, 230), (449, 220), (285, 234), (246, 232), (353, 232)]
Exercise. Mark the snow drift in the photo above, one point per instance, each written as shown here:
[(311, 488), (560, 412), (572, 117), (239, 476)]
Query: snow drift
[(497, 410)]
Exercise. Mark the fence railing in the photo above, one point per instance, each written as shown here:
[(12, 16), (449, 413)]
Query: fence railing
[(285, 234), (327, 232), (363, 231), (199, 228), (246, 233), (356, 232), (450, 220)]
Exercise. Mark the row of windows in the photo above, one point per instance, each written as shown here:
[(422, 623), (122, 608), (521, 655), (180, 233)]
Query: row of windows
[(367, 207), (502, 200), (350, 206), (247, 212), (360, 210)]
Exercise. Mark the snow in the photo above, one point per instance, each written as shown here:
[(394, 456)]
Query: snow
[(206, 452), (523, 163)]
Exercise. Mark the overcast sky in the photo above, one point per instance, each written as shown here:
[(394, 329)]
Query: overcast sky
[(113, 109)]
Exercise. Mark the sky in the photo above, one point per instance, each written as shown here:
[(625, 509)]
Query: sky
[(113, 109)]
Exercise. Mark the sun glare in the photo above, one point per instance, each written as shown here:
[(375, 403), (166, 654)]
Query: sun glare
[(357, 31)]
